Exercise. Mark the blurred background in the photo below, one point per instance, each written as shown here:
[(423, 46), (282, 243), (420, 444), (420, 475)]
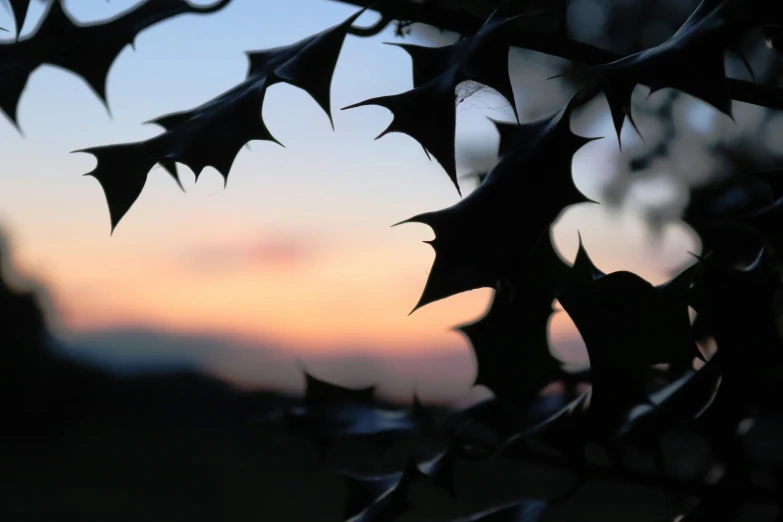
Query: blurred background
[(294, 264)]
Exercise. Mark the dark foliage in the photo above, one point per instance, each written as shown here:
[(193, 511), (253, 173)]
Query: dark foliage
[(58, 40), (426, 113), (664, 430), (212, 134)]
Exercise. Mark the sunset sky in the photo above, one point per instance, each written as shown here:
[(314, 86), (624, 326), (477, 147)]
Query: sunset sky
[(297, 252)]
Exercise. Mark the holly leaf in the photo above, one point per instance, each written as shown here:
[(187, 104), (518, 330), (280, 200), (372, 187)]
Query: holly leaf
[(510, 135), (427, 113), (442, 469), (691, 61), (213, 133), (19, 9), (326, 411), (438, 472), (565, 433), (627, 325), (423, 417), (486, 423), (736, 215), (674, 405), (490, 235), (362, 492), (321, 394), (767, 223), (507, 131), (730, 197), (87, 50), (738, 305), (511, 342), (331, 412), (714, 209)]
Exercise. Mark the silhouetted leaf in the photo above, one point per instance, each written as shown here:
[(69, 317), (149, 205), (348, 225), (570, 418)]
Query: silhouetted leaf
[(394, 502), (692, 61), (362, 492), (330, 412), (511, 342), (213, 133), (489, 236), (86, 50), (713, 211), (500, 482), (427, 113), (19, 9), (675, 405), (628, 325), (727, 211), (738, 304), (767, 222), (321, 394), (488, 422), (563, 433), (423, 417)]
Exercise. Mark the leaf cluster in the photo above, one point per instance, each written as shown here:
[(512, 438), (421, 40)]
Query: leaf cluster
[(650, 382)]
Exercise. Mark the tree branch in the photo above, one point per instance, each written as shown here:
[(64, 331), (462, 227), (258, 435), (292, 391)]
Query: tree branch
[(432, 13)]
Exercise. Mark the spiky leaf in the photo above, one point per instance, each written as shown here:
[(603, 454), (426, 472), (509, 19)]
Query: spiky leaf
[(213, 133), (490, 235)]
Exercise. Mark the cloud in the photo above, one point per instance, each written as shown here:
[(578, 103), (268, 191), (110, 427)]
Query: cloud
[(283, 251), (280, 251)]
